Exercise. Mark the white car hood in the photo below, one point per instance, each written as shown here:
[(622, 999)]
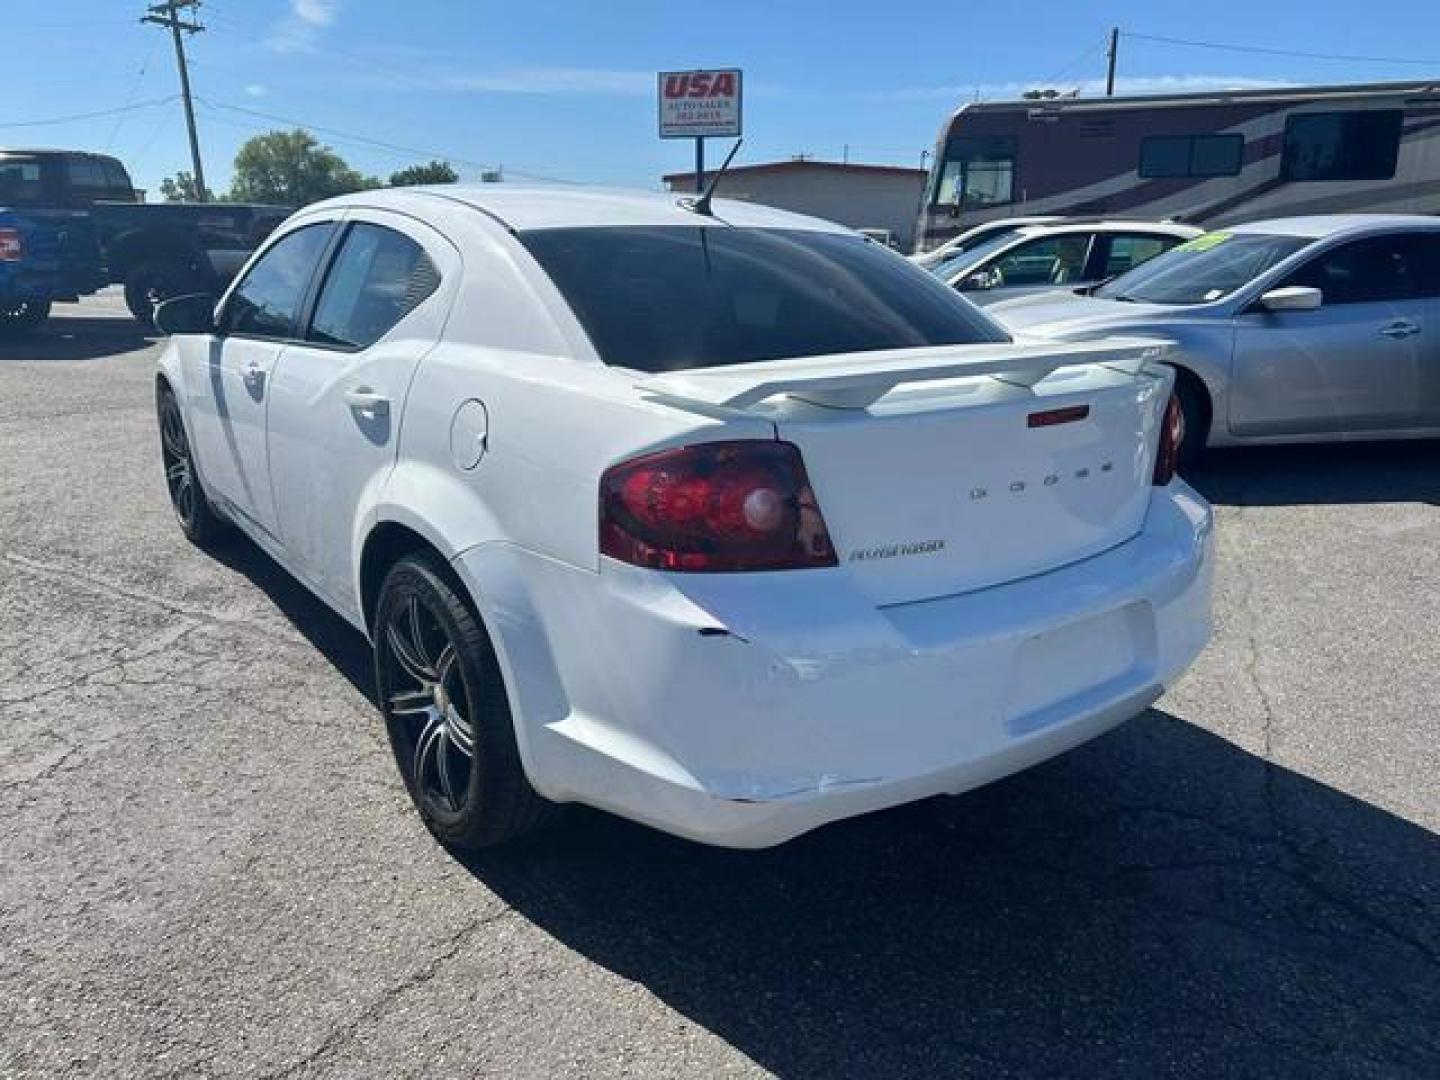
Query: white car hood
[(1066, 314)]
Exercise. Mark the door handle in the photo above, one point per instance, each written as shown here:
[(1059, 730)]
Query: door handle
[(1400, 328), (367, 402), (254, 377)]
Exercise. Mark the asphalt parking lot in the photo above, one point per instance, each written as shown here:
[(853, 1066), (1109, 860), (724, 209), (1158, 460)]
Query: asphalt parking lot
[(210, 867)]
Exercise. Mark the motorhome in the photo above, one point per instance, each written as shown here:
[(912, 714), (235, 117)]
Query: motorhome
[(1209, 159)]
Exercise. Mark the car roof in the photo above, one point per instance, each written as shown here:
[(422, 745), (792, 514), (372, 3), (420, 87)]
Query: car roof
[(1319, 226), (524, 207), (1060, 228)]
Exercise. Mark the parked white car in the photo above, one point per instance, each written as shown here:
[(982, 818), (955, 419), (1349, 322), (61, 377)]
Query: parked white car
[(1307, 329), (976, 235), (1047, 258), (733, 525)]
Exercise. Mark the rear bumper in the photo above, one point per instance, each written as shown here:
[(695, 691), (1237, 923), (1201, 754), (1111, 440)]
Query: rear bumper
[(18, 282), (743, 710)]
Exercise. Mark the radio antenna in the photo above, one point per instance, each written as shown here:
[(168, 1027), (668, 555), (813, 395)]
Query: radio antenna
[(702, 204)]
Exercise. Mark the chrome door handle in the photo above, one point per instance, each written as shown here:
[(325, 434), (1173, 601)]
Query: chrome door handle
[(1401, 328), (367, 402)]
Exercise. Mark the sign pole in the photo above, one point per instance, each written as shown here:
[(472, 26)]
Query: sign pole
[(699, 164)]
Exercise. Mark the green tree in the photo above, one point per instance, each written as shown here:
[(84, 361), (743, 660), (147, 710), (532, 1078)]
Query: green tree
[(292, 168), (181, 188), (433, 172)]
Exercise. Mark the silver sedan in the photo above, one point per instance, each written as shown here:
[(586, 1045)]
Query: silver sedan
[(1307, 329)]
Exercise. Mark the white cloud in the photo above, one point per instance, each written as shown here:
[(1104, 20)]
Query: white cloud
[(298, 31), (1156, 84), (556, 81), (315, 12), (257, 89)]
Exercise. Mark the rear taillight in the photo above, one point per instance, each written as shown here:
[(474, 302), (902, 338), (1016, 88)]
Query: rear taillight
[(720, 506), (12, 248), (1172, 434)]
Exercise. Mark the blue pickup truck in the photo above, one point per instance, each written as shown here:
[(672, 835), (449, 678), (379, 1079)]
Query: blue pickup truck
[(72, 223)]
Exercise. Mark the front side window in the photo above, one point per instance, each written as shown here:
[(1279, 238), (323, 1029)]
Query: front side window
[(86, 177), (266, 303), (1342, 145), (1379, 269), (1202, 270), (378, 277), (977, 173), (1055, 260), (668, 298), (1166, 156)]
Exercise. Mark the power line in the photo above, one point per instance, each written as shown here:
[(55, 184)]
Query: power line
[(342, 135), (1344, 58), (96, 115), (134, 89)]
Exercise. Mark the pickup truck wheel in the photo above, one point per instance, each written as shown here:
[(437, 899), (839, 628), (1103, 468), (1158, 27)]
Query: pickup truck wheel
[(154, 281), (20, 315), (200, 524), (447, 713)]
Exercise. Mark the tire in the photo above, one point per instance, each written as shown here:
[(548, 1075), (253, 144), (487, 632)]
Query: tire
[(154, 281), (21, 316), (1195, 407), (446, 711), (198, 520)]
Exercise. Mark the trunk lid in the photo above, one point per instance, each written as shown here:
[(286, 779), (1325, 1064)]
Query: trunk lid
[(944, 471)]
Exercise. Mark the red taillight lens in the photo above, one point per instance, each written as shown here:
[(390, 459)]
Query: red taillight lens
[(1172, 434), (12, 248), (714, 507)]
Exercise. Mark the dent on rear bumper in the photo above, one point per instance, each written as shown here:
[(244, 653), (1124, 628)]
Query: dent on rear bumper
[(746, 709)]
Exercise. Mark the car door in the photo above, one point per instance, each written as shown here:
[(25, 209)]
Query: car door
[(227, 376), (1037, 265), (337, 394), (1353, 364), (1427, 341)]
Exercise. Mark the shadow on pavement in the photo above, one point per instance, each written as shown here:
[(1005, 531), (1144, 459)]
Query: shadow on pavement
[(343, 645), (1156, 903), (76, 338), (1332, 473), (1159, 903)]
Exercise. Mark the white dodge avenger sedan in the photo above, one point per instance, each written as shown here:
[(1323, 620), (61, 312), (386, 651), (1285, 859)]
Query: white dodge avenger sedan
[(722, 519)]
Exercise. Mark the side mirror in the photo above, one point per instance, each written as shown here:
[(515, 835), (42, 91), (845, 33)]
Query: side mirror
[(1292, 298), (979, 281), (193, 314)]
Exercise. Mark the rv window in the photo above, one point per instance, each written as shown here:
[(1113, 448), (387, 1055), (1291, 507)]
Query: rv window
[(1342, 145), (1166, 156), (978, 173)]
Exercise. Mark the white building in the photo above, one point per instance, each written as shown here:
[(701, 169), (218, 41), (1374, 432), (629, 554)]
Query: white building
[(860, 196)]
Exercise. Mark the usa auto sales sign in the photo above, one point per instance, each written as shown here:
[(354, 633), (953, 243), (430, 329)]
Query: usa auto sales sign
[(700, 104)]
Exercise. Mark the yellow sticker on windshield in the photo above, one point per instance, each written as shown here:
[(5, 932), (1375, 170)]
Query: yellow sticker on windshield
[(1204, 242)]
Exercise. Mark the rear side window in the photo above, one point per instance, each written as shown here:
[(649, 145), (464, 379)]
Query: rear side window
[(20, 181), (1342, 145), (378, 277), (1125, 252), (667, 298), (1165, 156), (1403, 266), (267, 301)]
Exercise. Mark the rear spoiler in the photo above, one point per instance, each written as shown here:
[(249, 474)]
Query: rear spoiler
[(857, 380)]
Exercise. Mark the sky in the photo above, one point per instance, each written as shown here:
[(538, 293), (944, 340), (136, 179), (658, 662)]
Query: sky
[(566, 90)]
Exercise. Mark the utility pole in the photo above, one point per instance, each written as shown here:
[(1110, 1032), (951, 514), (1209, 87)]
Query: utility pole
[(1114, 48), (167, 14)]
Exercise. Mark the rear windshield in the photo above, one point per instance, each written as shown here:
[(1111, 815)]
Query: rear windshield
[(1202, 270), (20, 180), (668, 298)]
